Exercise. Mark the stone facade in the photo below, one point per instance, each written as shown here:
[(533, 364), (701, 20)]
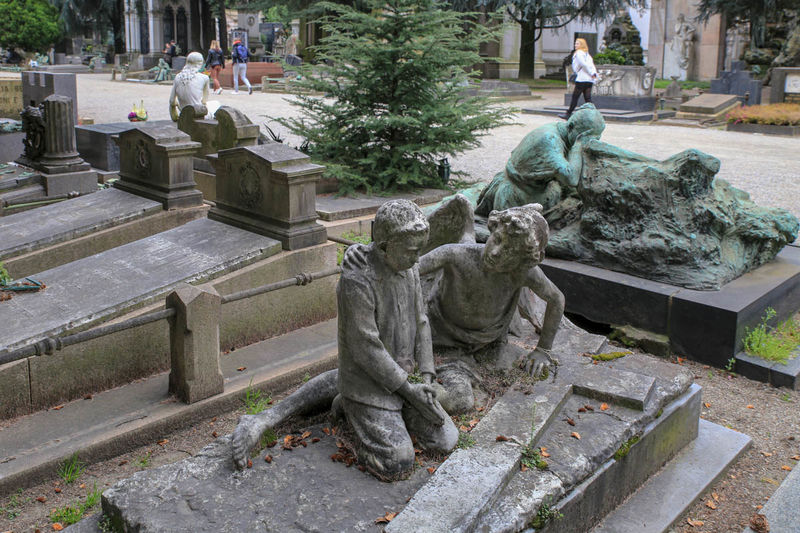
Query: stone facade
[(10, 98)]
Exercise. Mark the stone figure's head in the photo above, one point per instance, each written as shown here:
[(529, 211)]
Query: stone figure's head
[(586, 121), (399, 232), (518, 239), (194, 61)]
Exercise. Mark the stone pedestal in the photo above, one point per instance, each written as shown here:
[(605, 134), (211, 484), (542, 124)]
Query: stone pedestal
[(194, 344), (157, 163), (271, 190), (52, 150)]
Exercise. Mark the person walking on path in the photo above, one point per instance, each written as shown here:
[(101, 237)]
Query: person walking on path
[(215, 62), (585, 75), (239, 59)]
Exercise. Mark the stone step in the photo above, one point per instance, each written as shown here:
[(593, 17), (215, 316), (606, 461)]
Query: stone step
[(660, 502), (118, 420)]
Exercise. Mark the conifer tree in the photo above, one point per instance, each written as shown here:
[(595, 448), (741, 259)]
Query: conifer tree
[(394, 74)]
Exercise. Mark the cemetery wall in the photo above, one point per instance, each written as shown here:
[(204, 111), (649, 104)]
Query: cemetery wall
[(10, 98)]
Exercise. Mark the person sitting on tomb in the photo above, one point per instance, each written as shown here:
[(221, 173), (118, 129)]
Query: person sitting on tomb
[(546, 166), (383, 337), (190, 87)]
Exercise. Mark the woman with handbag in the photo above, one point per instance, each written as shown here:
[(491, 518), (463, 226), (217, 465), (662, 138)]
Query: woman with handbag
[(585, 75), (215, 62)]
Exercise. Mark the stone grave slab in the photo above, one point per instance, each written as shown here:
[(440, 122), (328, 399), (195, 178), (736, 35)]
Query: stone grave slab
[(304, 490), (96, 144), (738, 82), (708, 106), (331, 207), (707, 326), (32, 230), (109, 283)]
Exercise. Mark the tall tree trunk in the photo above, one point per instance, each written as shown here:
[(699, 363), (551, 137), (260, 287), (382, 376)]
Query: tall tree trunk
[(223, 26), (527, 49), (116, 26)]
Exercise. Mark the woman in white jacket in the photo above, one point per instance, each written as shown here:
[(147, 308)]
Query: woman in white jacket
[(586, 74)]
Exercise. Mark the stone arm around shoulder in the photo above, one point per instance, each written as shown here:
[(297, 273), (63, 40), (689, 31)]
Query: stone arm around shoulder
[(547, 291), (362, 339)]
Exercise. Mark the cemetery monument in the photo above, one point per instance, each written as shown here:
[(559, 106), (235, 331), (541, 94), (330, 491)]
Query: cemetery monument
[(190, 87)]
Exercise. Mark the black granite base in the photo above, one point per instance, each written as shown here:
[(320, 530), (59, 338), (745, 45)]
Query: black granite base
[(630, 103), (707, 326), (776, 374)]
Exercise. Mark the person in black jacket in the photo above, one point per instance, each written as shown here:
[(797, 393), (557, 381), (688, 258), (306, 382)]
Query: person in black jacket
[(215, 62), (170, 51)]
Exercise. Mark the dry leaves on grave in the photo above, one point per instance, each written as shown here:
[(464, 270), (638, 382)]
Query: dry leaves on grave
[(58, 527), (604, 406), (543, 451), (41, 499), (431, 469), (694, 523), (162, 442), (241, 369), (501, 438), (343, 455), (385, 519), (787, 468), (706, 405), (268, 458), (570, 421), (291, 442), (711, 505), (759, 523), (575, 435), (766, 454), (795, 457)]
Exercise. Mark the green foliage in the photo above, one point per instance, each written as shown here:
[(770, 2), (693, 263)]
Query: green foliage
[(544, 515), (254, 400), (661, 83), (279, 13), (144, 461), (626, 447), (28, 24), (415, 378), (350, 236), (610, 57), (5, 277), (532, 458), (609, 356), (12, 510), (786, 397), (71, 514), (394, 74), (773, 344), (465, 440), (731, 364), (71, 469)]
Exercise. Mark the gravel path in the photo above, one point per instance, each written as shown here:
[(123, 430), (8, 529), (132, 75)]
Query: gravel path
[(768, 167)]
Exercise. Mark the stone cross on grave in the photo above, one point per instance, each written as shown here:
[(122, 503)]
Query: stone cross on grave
[(521, 417)]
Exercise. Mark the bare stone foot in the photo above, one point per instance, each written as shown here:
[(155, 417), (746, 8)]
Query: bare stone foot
[(245, 437)]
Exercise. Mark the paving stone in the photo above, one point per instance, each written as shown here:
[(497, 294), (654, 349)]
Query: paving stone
[(783, 508)]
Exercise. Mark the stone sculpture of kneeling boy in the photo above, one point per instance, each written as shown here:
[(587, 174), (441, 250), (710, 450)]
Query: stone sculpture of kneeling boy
[(383, 336)]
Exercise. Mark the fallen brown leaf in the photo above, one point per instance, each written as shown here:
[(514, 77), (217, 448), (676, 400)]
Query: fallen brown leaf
[(575, 435), (249, 463), (82, 486), (385, 519), (715, 496), (582, 410), (162, 442), (57, 490), (543, 453), (41, 499), (88, 397), (706, 405), (750, 406), (58, 407), (305, 435), (694, 523), (766, 454), (795, 458), (57, 527), (268, 458), (241, 369), (463, 428), (588, 407), (501, 438), (711, 505), (604, 406), (214, 434), (570, 421), (523, 468), (315, 439), (431, 469), (479, 409), (787, 468)]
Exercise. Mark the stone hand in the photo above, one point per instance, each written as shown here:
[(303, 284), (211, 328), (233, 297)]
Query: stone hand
[(538, 361), (423, 398)]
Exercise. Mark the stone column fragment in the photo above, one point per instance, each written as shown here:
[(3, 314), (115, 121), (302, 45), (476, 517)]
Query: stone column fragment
[(194, 344)]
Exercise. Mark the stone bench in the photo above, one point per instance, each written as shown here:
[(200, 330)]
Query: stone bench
[(255, 71)]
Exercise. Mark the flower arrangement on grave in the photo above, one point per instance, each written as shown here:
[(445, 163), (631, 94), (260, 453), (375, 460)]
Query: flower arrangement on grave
[(138, 114)]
